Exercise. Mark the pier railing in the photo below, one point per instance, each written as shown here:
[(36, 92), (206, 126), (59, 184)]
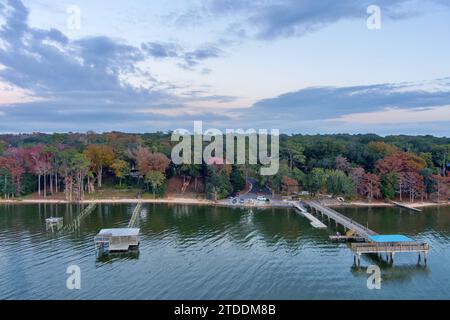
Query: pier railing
[(342, 220), (390, 247)]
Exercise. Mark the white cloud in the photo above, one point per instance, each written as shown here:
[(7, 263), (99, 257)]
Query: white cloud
[(11, 94), (396, 115)]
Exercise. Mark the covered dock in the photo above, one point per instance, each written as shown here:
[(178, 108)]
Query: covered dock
[(390, 245), (117, 239)]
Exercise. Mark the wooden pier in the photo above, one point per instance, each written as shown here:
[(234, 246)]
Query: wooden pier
[(345, 238), (347, 223), (373, 243), (373, 247), (77, 221), (390, 249), (316, 223), (135, 215)]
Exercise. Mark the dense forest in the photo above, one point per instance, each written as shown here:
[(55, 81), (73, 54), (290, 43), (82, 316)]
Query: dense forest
[(409, 168)]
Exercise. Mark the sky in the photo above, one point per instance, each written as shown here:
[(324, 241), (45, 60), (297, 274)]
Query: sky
[(299, 66)]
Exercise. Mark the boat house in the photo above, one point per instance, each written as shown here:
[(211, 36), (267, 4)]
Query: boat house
[(117, 239)]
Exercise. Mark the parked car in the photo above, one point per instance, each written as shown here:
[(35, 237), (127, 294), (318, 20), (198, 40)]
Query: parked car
[(261, 198), (241, 201)]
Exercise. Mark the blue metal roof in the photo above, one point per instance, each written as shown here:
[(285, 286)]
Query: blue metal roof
[(390, 238)]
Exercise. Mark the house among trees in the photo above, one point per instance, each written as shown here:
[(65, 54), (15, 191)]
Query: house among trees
[(289, 186)]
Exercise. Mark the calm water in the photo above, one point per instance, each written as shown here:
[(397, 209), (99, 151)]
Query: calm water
[(196, 252)]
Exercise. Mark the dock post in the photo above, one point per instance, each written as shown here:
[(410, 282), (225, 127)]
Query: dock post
[(418, 260), (425, 258), (359, 259), (392, 258)]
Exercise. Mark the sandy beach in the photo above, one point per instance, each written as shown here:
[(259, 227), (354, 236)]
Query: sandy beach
[(192, 201)]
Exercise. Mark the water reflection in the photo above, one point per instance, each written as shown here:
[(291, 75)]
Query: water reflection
[(108, 258), (393, 274), (195, 252)]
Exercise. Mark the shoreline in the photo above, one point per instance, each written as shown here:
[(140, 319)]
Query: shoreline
[(191, 201)]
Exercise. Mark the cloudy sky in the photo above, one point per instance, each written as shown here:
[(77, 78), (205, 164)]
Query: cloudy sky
[(304, 66)]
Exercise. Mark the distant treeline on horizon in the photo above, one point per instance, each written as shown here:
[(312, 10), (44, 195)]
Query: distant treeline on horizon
[(354, 166)]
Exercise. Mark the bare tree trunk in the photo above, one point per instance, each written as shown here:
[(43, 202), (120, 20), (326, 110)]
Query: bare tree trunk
[(45, 186), (99, 176)]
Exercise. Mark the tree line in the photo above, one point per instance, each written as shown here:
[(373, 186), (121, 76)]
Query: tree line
[(353, 166)]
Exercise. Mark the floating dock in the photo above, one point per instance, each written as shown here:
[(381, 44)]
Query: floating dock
[(316, 223)]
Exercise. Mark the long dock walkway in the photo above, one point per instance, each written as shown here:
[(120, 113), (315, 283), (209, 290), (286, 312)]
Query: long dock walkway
[(342, 220), (401, 205), (77, 221), (135, 215), (316, 223)]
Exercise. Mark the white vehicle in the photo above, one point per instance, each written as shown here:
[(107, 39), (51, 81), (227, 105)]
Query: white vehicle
[(261, 198)]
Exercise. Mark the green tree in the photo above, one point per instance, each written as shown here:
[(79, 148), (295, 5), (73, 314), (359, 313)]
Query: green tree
[(338, 183), (294, 152), (218, 185), (236, 179), (2, 147), (388, 185), (155, 179), (316, 180), (121, 169), (100, 156)]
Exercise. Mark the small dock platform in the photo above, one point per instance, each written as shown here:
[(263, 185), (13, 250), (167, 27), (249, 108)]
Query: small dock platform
[(316, 223), (401, 205), (53, 223)]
